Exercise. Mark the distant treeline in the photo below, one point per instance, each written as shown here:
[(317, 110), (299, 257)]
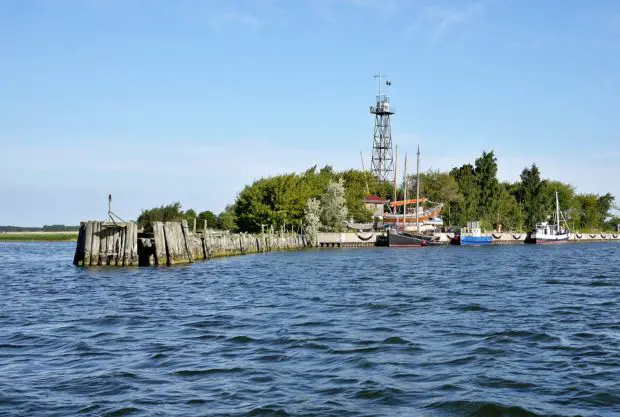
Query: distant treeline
[(469, 192), (46, 228), (473, 192), (172, 212)]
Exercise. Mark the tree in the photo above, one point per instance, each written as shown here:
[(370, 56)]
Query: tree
[(507, 210), (209, 217), (467, 209), (611, 224), (312, 219), (605, 204), (355, 185), (531, 195), (170, 212), (281, 200), (569, 206), (227, 219), (335, 211), (488, 185), (439, 186), (589, 214), (190, 215)]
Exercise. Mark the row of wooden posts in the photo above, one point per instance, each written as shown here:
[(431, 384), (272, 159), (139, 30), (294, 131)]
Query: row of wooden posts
[(108, 243)]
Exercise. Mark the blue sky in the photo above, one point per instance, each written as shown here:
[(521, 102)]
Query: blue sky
[(160, 101)]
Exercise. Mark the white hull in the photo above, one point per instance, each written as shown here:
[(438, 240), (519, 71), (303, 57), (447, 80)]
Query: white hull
[(540, 238)]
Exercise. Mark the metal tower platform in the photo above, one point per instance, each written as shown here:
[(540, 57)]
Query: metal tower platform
[(382, 162)]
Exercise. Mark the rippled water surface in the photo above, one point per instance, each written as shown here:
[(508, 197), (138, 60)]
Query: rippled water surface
[(488, 331)]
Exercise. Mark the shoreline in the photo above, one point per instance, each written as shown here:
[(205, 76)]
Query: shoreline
[(39, 237)]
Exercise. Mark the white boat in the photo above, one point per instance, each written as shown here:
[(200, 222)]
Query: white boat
[(550, 233)]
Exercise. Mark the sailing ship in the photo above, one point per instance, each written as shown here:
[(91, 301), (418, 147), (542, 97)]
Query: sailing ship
[(472, 235), (398, 234), (546, 233), (426, 216)]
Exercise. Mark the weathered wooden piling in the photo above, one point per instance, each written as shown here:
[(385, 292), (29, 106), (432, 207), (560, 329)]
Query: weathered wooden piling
[(170, 243), (175, 243), (107, 244)]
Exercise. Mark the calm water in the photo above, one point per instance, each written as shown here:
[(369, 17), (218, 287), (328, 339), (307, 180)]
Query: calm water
[(497, 331)]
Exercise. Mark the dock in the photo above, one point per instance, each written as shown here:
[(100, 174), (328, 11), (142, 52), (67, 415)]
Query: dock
[(370, 239)]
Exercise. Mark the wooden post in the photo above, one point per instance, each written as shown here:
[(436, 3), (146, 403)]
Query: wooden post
[(194, 226), (133, 240), (88, 240), (103, 242), (110, 246), (94, 254), (160, 244), (115, 244), (121, 247), (78, 258), (186, 237), (129, 237)]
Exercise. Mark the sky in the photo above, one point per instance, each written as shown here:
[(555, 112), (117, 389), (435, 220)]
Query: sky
[(157, 101)]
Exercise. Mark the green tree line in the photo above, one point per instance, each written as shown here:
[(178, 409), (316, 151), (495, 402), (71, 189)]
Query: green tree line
[(469, 192), (173, 212), (473, 192)]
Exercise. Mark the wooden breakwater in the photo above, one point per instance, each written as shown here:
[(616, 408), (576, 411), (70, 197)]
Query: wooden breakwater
[(121, 244)]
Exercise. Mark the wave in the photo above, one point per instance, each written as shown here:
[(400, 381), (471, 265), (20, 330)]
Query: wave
[(395, 340), (241, 339), (504, 383), (471, 308), (125, 411), (386, 396), (481, 409), (268, 411), (507, 335), (212, 371)]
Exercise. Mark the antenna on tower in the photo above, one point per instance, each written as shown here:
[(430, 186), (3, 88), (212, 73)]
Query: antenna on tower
[(382, 162)]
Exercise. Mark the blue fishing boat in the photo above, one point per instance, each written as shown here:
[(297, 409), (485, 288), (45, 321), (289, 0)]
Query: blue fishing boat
[(472, 235)]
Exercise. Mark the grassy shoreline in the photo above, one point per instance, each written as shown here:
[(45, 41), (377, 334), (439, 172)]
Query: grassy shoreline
[(39, 237)]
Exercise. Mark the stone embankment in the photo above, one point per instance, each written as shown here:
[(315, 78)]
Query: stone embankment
[(105, 243)]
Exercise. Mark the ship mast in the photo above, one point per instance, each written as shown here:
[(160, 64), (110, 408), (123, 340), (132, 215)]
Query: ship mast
[(417, 194), (557, 213), (395, 196), (405, 204)]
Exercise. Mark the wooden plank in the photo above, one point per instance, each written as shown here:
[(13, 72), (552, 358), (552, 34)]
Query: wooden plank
[(133, 240), (172, 233), (160, 244), (88, 241), (96, 242), (115, 244), (121, 246), (110, 246), (127, 245), (78, 258), (103, 245), (185, 236)]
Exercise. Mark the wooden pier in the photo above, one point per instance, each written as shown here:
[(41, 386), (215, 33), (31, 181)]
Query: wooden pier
[(120, 244)]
